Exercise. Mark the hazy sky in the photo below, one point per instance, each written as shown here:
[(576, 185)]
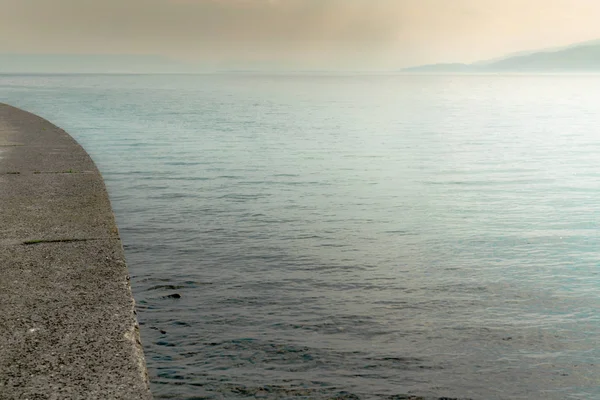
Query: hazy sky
[(358, 34)]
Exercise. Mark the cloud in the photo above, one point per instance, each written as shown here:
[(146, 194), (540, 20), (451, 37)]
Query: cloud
[(296, 32), (225, 20), (267, 30)]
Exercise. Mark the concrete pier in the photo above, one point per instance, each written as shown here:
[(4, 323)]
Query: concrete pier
[(67, 320)]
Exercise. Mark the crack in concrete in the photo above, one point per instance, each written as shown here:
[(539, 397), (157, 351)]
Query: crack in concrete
[(62, 172), (65, 240), (47, 172)]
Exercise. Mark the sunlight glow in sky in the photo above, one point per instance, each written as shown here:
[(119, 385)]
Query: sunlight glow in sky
[(300, 33)]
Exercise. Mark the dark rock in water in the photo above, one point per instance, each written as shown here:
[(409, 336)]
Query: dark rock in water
[(173, 296), (163, 332), (165, 343), (180, 323)]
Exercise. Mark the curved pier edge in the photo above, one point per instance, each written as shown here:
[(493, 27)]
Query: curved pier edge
[(68, 328)]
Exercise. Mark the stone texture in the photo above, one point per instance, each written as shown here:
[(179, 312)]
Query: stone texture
[(67, 327)]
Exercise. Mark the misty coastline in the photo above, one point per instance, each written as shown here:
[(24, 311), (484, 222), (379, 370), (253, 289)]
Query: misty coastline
[(583, 57)]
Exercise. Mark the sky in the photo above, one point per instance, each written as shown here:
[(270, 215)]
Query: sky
[(298, 34)]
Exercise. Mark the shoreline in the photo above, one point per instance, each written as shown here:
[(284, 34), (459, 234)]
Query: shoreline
[(69, 328)]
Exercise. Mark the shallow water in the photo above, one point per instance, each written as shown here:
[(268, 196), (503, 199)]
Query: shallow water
[(353, 235)]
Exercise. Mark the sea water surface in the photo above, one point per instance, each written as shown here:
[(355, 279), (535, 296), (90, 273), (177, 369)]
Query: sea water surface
[(355, 236)]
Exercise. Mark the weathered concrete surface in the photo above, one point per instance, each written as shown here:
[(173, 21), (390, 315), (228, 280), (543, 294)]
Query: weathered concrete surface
[(67, 321)]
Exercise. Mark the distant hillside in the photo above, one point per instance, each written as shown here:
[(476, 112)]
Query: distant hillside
[(456, 67), (576, 58), (71, 63)]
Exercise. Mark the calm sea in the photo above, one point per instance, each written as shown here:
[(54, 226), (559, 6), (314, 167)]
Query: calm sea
[(349, 237)]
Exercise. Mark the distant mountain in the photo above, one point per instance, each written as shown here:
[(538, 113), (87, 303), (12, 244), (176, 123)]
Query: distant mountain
[(92, 63), (580, 57)]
